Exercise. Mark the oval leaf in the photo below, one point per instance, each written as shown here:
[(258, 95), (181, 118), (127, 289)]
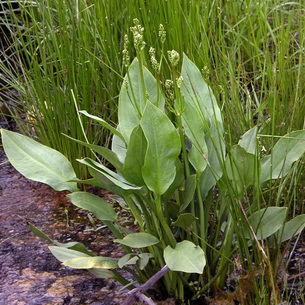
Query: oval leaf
[(197, 92), (98, 206), (163, 148), (138, 240), (186, 257), (285, 152), (63, 254), (266, 221), (291, 228), (38, 162)]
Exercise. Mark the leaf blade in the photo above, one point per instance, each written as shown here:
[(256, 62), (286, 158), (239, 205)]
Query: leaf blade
[(162, 151), (38, 162), (186, 257)]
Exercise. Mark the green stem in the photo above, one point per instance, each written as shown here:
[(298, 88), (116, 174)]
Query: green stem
[(202, 217), (166, 229)]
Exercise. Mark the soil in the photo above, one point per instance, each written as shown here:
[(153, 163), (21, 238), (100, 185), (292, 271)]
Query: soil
[(29, 274)]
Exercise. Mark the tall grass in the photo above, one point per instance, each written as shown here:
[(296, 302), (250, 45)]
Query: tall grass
[(251, 54)]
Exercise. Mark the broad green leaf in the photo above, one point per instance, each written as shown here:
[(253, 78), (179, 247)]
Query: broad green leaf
[(163, 148), (195, 127), (240, 166), (200, 106), (291, 228), (266, 222), (119, 148), (138, 240), (285, 152), (63, 254), (106, 153), (38, 162), (198, 159), (104, 123), (189, 191), (248, 141), (186, 257), (98, 206), (198, 95), (135, 155), (97, 262), (185, 221), (77, 246), (132, 99)]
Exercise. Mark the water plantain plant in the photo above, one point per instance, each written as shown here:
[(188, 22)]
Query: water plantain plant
[(198, 203)]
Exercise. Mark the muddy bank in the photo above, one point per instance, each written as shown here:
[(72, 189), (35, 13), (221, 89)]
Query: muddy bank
[(29, 274)]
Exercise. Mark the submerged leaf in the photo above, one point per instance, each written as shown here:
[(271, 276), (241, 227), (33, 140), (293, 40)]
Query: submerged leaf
[(106, 153)]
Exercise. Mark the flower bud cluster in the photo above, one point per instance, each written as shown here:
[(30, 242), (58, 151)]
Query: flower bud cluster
[(154, 62), (137, 31), (169, 85), (179, 81), (173, 57), (162, 33), (126, 57)]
